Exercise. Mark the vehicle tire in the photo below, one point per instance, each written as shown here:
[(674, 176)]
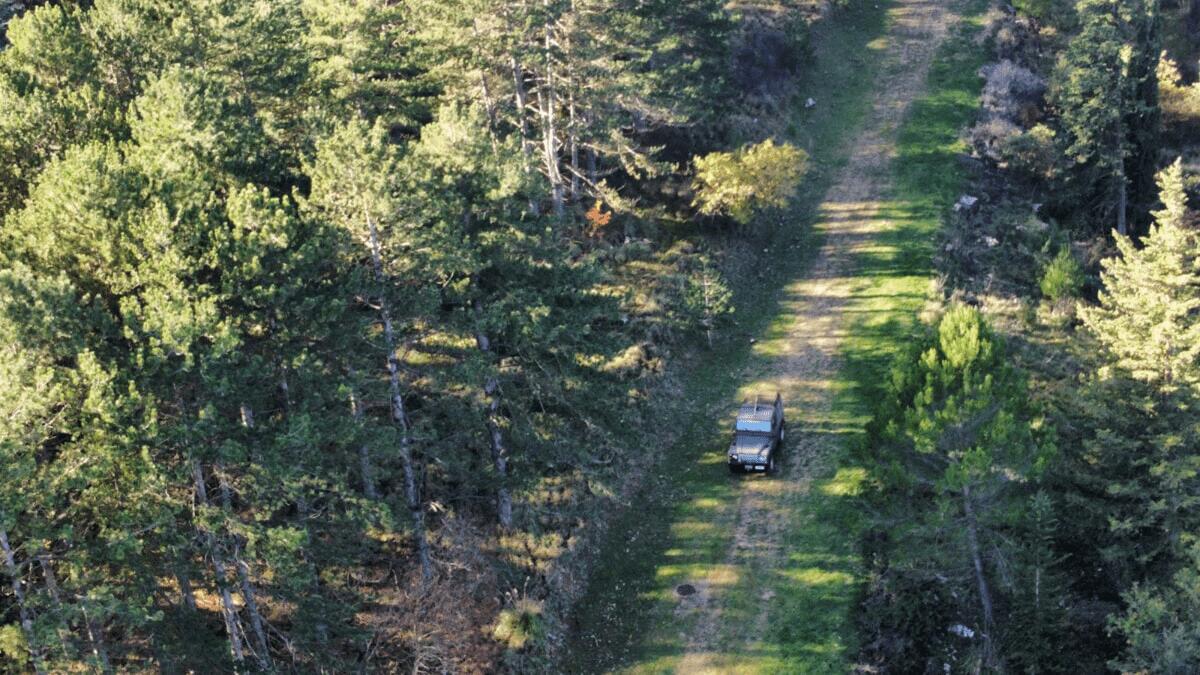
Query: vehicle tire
[(734, 469), (782, 432), (771, 464)]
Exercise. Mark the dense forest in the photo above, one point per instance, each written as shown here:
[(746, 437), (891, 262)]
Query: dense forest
[(333, 330), (325, 324), (1034, 460)]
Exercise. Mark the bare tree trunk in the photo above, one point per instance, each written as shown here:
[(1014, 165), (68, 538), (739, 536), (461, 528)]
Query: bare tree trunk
[(51, 579), (1193, 18), (547, 101), (399, 414), (489, 105), (65, 638), (233, 624), (574, 141), (186, 596), (572, 122), (522, 102), (368, 473), (18, 588), (985, 595), (249, 597), (1122, 191), (593, 171), (1122, 182), (499, 453), (95, 633), (365, 468), (321, 627), (491, 389), (708, 311), (285, 388), (228, 612)]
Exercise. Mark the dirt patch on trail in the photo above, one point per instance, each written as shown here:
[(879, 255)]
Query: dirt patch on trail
[(850, 222)]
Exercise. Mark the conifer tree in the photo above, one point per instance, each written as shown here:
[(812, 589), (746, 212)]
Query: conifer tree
[(1141, 409), (352, 189), (740, 184), (957, 441), (513, 288), (1108, 97), (364, 62), (51, 96), (1161, 626), (1147, 318), (583, 83)]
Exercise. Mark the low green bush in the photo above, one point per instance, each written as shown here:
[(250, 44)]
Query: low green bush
[(520, 625), (1063, 277)]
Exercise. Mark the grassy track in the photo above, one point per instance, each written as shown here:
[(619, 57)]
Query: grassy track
[(927, 179), (682, 528)]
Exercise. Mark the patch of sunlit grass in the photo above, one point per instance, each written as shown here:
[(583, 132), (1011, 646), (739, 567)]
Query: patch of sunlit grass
[(815, 576), (693, 528), (847, 482)]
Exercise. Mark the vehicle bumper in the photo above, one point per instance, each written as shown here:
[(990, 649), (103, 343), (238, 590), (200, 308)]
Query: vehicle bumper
[(738, 465)]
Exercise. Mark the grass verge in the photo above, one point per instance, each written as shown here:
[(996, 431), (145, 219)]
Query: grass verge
[(894, 280)]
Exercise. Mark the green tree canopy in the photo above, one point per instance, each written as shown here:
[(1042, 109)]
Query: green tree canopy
[(1147, 318), (742, 183)]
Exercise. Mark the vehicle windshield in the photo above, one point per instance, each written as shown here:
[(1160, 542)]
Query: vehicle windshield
[(749, 442), (763, 426)]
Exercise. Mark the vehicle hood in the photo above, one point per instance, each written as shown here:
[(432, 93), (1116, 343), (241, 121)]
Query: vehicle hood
[(750, 444)]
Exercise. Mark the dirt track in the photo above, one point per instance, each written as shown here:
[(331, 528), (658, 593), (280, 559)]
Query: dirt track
[(808, 361)]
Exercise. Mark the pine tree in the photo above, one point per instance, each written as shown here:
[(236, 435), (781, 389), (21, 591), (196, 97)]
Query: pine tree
[(352, 190), (1161, 626), (707, 298), (1147, 318), (956, 441), (582, 83), (1141, 409), (1039, 623), (50, 96), (365, 63), (1108, 97), (255, 296), (514, 288)]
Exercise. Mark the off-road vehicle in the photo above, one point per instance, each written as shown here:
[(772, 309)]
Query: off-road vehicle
[(757, 434)]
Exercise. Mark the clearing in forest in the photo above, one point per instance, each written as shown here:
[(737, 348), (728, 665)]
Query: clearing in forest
[(767, 566)]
